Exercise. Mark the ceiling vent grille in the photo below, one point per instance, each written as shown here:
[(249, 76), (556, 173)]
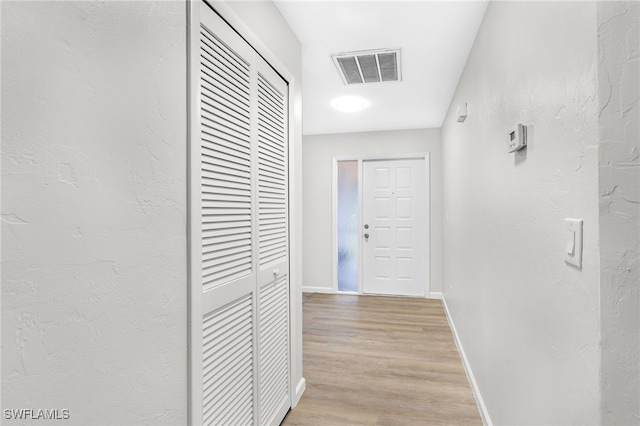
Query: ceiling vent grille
[(369, 66)]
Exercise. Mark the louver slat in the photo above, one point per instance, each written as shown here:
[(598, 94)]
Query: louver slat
[(272, 174), (272, 101), (226, 161), (273, 344), (369, 67), (228, 362), (350, 70), (388, 66)]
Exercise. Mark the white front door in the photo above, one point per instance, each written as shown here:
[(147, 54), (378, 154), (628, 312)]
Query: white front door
[(394, 227)]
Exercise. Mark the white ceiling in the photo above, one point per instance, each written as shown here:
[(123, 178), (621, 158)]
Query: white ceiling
[(435, 38)]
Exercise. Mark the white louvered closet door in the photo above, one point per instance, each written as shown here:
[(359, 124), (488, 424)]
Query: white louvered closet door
[(228, 225), (273, 258), (240, 316)]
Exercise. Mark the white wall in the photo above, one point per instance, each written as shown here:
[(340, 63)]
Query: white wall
[(528, 323), (619, 132), (94, 272), (317, 158), (265, 22)]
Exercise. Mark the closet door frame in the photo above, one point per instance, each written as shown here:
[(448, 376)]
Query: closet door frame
[(194, 232)]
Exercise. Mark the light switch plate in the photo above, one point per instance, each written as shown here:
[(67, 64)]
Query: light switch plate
[(573, 243)]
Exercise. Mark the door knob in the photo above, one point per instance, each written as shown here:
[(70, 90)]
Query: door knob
[(366, 236)]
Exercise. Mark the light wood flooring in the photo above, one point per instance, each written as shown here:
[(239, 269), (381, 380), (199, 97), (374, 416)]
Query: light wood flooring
[(380, 361)]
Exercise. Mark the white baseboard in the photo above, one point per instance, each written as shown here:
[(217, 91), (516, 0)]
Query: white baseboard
[(317, 290), (302, 385), (431, 295), (486, 420)]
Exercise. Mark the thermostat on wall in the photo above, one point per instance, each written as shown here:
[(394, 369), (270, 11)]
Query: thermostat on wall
[(517, 138)]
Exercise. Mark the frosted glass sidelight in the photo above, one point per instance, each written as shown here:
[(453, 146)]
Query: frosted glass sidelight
[(348, 226)]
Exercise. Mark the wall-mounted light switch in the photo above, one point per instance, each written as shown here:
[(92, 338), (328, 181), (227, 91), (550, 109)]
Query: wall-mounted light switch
[(462, 112), (571, 242), (573, 254)]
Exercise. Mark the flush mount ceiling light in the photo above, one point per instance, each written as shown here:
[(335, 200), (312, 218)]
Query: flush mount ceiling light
[(349, 103), (368, 66)]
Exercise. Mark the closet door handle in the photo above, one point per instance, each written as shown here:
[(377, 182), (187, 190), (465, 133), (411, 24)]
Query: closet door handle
[(276, 272)]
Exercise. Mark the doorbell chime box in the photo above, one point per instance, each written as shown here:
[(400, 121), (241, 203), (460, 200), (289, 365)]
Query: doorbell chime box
[(516, 138)]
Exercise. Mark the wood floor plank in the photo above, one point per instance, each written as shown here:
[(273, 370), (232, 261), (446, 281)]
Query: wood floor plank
[(372, 360)]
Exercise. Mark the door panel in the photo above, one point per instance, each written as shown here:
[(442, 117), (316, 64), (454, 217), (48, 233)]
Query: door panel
[(227, 219), (394, 207), (274, 351), (228, 350), (273, 258)]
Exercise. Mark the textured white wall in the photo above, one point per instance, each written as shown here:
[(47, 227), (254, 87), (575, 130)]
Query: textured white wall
[(619, 131), (317, 158), (94, 278), (528, 322)]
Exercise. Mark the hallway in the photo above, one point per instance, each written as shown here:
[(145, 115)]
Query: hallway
[(170, 207), (380, 361)]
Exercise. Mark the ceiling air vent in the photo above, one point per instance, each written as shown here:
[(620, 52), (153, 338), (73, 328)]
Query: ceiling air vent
[(369, 66)]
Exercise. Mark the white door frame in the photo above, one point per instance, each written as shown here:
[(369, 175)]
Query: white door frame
[(334, 212)]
